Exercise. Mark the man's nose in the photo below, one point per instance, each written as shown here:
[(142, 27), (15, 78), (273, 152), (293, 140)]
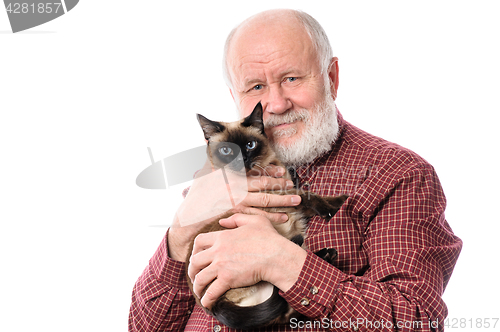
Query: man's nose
[(276, 101)]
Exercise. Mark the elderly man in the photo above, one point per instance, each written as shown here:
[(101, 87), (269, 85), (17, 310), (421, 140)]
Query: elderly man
[(396, 250)]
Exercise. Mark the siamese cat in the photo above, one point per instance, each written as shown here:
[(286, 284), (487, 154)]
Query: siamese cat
[(259, 305)]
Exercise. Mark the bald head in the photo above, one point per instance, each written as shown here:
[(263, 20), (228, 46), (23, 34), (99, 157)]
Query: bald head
[(278, 22), (271, 17), (282, 25)]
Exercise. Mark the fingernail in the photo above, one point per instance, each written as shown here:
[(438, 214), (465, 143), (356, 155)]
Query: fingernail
[(201, 300), (295, 199), (284, 217), (289, 184)]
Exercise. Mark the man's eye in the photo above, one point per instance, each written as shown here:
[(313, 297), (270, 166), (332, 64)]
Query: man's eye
[(258, 87), (291, 79)]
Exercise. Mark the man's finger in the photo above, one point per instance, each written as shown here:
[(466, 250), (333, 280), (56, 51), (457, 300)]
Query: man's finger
[(203, 242), (198, 262), (271, 200), (269, 170), (240, 219), (273, 217), (259, 183), (237, 220), (275, 171), (202, 279), (216, 290)]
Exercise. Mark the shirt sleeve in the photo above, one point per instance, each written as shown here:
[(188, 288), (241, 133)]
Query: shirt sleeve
[(161, 299), (411, 252)]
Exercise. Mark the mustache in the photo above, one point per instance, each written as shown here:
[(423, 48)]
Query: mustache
[(288, 117)]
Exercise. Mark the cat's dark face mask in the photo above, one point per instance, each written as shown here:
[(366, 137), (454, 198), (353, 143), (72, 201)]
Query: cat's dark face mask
[(227, 155)]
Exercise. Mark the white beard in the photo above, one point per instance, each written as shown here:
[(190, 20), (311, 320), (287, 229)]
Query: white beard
[(320, 132)]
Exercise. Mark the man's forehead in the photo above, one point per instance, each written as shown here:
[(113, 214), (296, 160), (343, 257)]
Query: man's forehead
[(278, 32), (250, 76), (250, 64)]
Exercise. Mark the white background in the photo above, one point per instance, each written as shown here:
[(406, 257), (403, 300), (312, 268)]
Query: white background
[(83, 96)]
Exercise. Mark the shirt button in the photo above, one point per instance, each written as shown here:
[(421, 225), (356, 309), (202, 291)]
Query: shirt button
[(217, 328), (305, 301), (355, 328), (314, 290)]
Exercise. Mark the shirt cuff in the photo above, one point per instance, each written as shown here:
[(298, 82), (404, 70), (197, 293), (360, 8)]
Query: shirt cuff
[(317, 288), (167, 270)]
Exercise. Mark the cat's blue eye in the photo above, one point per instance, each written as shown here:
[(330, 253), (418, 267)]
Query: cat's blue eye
[(251, 145), (225, 150)]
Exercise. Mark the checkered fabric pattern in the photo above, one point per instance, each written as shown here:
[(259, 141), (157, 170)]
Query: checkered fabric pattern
[(396, 252)]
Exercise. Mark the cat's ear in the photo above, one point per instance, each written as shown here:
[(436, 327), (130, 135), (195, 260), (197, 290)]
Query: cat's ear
[(209, 127), (255, 119)]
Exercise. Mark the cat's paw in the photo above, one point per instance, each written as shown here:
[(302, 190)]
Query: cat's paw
[(334, 203), (326, 207), (327, 254), (325, 210), (328, 214)]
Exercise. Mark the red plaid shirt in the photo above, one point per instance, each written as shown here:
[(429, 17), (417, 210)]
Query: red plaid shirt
[(396, 252)]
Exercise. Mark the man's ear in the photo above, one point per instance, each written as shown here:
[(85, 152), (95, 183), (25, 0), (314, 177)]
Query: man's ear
[(333, 74)]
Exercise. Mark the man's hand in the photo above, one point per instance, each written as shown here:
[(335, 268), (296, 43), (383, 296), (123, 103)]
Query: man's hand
[(271, 178), (250, 251), (268, 179)]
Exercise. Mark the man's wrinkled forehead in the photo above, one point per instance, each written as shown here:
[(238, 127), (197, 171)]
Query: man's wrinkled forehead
[(261, 41)]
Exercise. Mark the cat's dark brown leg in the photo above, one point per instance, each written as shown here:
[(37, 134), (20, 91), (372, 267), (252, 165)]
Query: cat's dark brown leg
[(336, 201), (313, 204), (327, 254), (326, 207)]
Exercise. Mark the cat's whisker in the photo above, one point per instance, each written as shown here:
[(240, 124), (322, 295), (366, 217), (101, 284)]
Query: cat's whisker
[(263, 169)]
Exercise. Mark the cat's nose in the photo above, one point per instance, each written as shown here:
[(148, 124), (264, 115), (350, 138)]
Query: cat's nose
[(249, 165)]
